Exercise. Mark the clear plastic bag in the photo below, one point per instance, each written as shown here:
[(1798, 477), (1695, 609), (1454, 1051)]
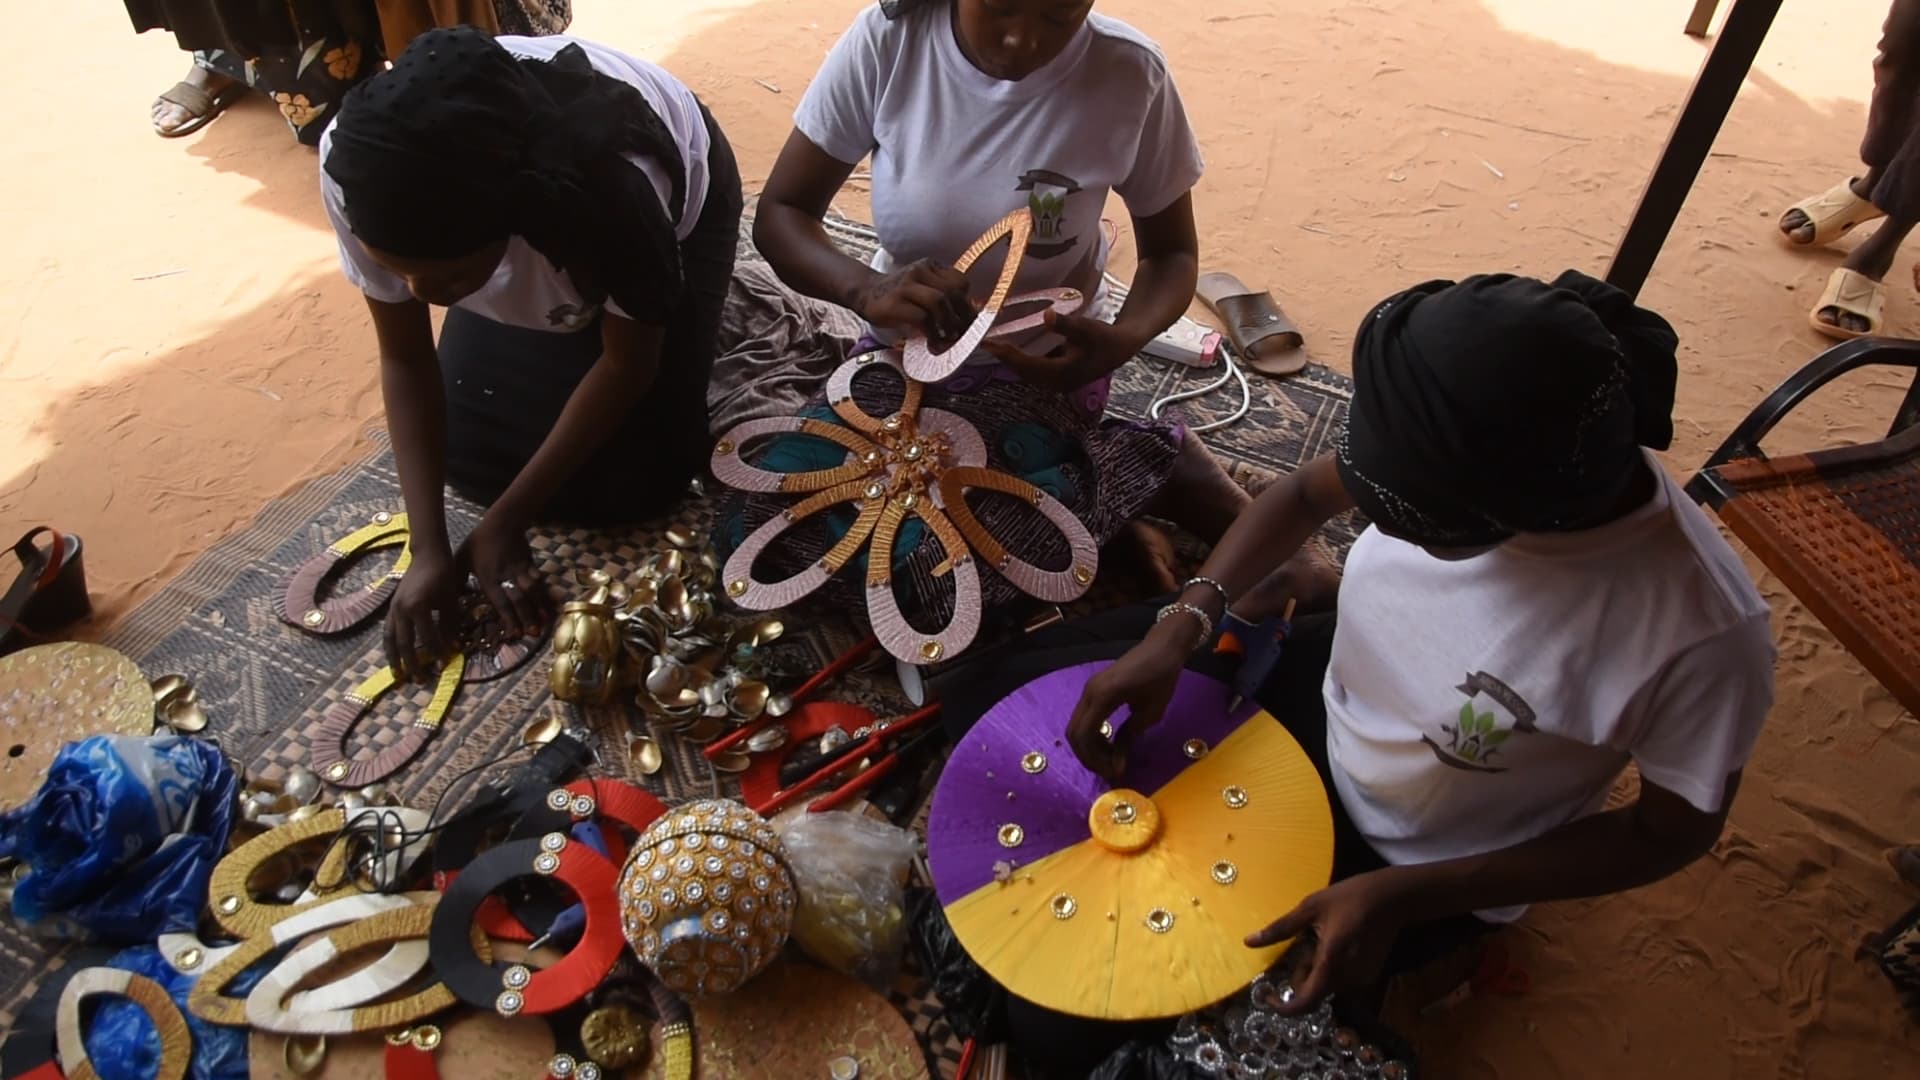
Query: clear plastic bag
[(852, 873), (121, 839)]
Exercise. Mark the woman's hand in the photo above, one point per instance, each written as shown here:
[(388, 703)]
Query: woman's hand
[(1092, 349), (1143, 680), (425, 615), (923, 297), (500, 559), (1354, 924)]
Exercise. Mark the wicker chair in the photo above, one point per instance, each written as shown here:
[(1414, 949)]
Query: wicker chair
[(1840, 527)]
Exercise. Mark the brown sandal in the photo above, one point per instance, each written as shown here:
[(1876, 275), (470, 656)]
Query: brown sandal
[(201, 106), (1263, 337)]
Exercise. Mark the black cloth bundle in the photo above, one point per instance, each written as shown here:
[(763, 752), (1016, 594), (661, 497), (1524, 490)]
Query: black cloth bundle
[(1501, 405), (462, 145)]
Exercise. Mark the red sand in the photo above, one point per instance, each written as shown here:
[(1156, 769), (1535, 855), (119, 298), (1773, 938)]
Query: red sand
[(177, 348)]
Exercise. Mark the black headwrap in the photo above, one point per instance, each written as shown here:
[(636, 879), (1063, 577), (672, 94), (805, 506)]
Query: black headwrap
[(462, 145), (1502, 405)]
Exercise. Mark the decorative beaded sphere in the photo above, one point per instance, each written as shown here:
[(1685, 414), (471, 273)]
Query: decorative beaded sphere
[(706, 898)]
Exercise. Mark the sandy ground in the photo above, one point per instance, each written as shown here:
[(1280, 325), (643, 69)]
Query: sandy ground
[(176, 348)]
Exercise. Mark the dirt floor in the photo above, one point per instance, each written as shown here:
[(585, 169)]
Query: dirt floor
[(177, 347)]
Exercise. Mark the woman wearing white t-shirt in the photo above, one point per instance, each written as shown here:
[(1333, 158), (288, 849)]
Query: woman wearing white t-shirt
[(576, 211), (1536, 606), (971, 109)]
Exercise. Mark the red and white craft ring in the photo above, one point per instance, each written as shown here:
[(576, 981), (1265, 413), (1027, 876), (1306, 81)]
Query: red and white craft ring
[(519, 989)]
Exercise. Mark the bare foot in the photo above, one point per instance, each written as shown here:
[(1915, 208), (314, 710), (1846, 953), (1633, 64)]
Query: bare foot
[(1799, 227), (1199, 496), (1306, 579), (169, 117), (1148, 551)]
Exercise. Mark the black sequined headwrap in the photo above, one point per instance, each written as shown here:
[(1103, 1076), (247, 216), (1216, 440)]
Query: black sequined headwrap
[(1502, 405), (462, 145)]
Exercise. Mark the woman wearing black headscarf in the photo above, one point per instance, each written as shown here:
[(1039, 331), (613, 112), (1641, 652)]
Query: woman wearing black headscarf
[(1536, 605), (576, 211)]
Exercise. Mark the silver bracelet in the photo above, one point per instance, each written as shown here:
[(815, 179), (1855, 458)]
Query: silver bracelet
[(1181, 607), (1197, 579)]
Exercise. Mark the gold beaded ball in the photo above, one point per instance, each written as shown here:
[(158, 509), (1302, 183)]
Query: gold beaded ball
[(706, 897)]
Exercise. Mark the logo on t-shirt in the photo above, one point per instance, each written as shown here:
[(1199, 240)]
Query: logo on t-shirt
[(572, 316), (1049, 192), (1478, 736)]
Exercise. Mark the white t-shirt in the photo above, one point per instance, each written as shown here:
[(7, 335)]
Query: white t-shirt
[(527, 290), (955, 150), (1643, 640)]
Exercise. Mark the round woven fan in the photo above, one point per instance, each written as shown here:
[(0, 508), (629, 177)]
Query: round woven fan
[(1129, 901)]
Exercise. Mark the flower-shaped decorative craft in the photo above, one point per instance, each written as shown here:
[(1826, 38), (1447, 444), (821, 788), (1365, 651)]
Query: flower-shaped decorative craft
[(915, 462)]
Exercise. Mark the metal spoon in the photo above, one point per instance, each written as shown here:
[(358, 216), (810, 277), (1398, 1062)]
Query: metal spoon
[(644, 756), (305, 1055), (184, 714), (542, 731), (749, 699), (302, 784)]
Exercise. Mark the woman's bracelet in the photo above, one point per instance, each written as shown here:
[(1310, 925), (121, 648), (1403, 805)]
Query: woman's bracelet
[(1221, 590), (1181, 607)]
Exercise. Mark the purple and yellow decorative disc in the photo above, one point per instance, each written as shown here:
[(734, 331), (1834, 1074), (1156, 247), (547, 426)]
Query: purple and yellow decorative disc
[(1132, 901)]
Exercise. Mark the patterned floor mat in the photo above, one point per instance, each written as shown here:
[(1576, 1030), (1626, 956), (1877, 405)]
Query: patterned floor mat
[(265, 684)]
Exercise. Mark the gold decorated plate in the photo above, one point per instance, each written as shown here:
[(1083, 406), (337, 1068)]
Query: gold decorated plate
[(52, 695), (794, 1020)]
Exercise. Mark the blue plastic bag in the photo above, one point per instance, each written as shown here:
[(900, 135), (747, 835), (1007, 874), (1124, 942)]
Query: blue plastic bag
[(123, 1044), (121, 839)]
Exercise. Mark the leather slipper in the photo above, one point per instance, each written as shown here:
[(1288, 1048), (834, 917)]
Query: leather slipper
[(201, 106), (1261, 333)]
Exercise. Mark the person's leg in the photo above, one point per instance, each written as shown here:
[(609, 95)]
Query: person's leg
[(505, 387), (1200, 497), (1891, 150)]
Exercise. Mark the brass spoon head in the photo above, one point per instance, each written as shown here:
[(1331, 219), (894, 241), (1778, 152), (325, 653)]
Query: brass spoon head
[(768, 738), (302, 784), (733, 761), (644, 755), (168, 687), (543, 730), (185, 715), (305, 1055)]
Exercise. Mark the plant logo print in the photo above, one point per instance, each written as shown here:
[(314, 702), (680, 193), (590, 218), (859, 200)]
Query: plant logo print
[(1048, 193), (1475, 740)]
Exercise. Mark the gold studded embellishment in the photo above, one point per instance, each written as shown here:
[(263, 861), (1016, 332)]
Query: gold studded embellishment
[(1012, 835), (1159, 920), (1064, 906), (1033, 763), (1225, 872), (1195, 749), (1234, 796)]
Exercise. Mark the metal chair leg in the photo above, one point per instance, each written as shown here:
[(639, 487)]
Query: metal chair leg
[(1702, 18), (1714, 89)]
